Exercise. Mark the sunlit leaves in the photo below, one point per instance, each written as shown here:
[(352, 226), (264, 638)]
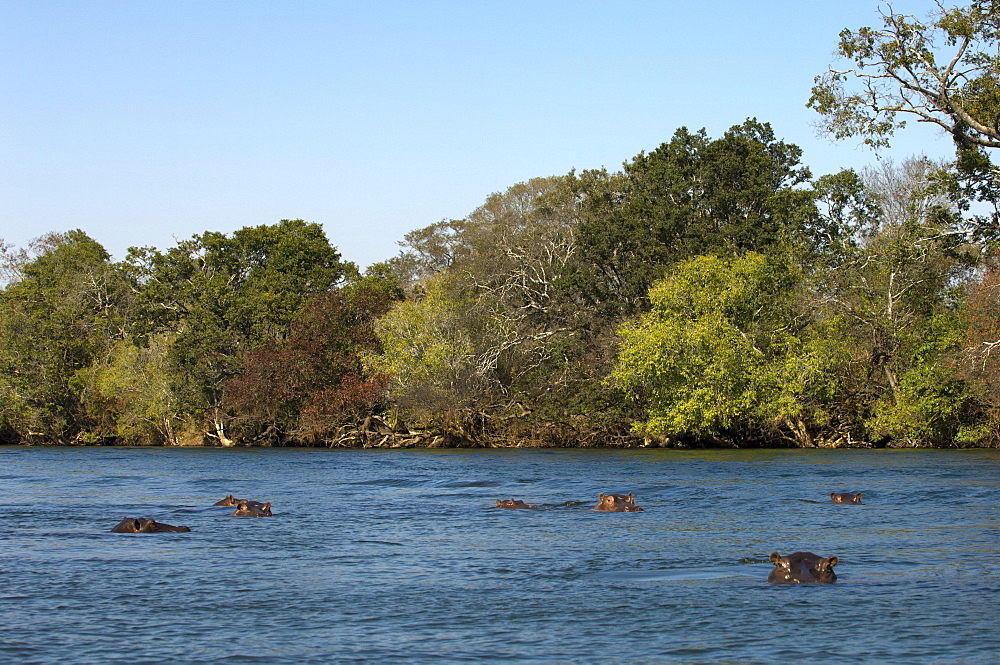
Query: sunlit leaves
[(942, 71), (718, 349)]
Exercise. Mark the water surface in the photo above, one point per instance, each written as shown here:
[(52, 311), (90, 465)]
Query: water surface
[(399, 556)]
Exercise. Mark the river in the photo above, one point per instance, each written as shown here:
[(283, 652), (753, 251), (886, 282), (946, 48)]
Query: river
[(399, 556)]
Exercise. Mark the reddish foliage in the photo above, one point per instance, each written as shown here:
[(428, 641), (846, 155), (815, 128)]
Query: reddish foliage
[(314, 380), (981, 359)]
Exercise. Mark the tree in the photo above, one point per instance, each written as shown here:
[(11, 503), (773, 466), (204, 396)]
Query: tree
[(934, 404), (226, 296), (691, 196), (944, 71), (131, 397), (14, 259), (979, 360), (494, 325), (426, 351), (63, 312), (891, 282), (720, 353), (305, 386)]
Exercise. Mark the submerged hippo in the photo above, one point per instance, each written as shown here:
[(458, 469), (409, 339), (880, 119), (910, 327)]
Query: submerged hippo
[(616, 503), (230, 500), (802, 568), (143, 525), (252, 509), (514, 503), (845, 497)]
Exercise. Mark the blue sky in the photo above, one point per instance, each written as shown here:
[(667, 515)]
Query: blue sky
[(146, 122)]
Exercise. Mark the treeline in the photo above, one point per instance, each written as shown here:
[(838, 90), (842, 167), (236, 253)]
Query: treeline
[(713, 292)]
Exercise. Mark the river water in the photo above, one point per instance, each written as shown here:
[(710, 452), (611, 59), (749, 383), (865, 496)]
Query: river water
[(399, 556)]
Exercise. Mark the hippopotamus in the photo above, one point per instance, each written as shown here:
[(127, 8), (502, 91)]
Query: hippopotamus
[(252, 509), (616, 503), (845, 497), (513, 503), (230, 500), (143, 525), (802, 568)]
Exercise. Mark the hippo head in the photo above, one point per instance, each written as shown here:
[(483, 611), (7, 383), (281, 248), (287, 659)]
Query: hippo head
[(845, 497), (252, 509), (616, 503), (230, 500), (802, 568), (514, 503), (131, 525), (143, 525)]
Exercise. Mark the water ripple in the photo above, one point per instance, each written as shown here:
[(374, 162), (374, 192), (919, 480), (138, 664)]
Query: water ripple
[(400, 557)]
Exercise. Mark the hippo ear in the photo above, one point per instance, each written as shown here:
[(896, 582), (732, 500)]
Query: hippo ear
[(629, 498), (774, 558), (832, 561), (833, 495), (600, 497), (267, 506)]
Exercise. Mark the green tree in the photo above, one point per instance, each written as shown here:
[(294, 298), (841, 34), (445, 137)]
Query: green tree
[(891, 283), (64, 311), (933, 404), (495, 326), (426, 351), (943, 71), (225, 296), (721, 354), (691, 196), (896, 272), (131, 398)]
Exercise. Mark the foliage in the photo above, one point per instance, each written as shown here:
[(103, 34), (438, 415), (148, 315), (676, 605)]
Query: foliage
[(131, 398), (943, 71), (226, 296), (934, 405), (692, 196), (717, 352), (979, 359), (893, 274), (306, 385), (426, 351), (65, 310)]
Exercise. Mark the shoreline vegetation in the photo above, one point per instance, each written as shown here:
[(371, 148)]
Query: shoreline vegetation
[(378, 432), (712, 293)]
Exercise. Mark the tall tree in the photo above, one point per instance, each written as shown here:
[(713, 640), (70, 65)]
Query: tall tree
[(225, 296), (943, 71), (498, 317), (893, 284), (721, 353), (301, 389), (62, 314), (692, 196)]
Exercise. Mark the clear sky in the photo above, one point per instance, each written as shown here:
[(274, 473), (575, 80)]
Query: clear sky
[(146, 122)]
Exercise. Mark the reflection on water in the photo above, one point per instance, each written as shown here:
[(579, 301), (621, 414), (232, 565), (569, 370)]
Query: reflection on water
[(400, 556)]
